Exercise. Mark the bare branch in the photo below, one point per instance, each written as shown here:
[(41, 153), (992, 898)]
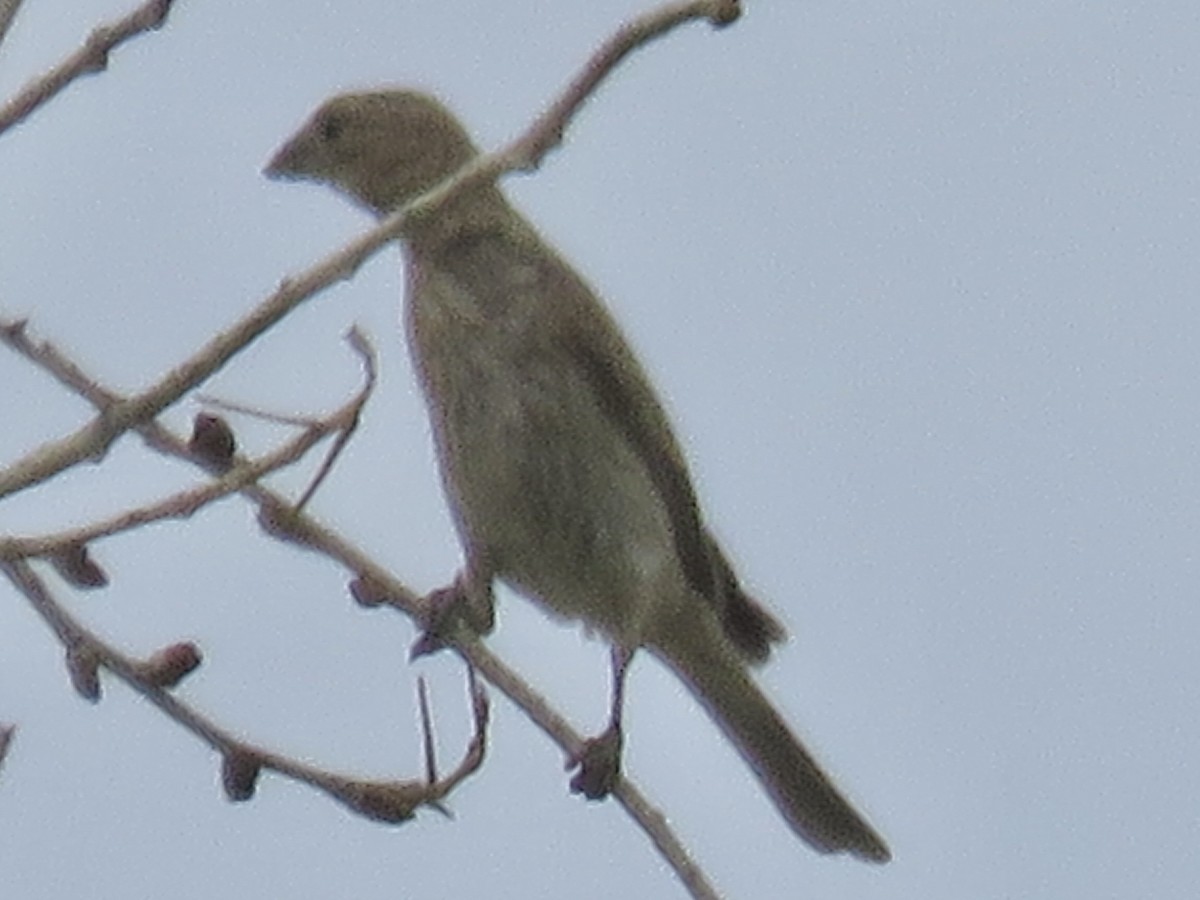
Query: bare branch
[(279, 520), (390, 800), (187, 503), (118, 416), (14, 333), (178, 506), (648, 817), (89, 58), (547, 131), (362, 346)]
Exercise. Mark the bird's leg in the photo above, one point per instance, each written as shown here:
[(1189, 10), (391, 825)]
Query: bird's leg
[(467, 600), (599, 760)]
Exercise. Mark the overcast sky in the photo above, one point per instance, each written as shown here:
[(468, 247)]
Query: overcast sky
[(917, 281)]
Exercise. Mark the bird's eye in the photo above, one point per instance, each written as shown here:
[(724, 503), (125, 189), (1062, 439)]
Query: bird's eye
[(331, 128)]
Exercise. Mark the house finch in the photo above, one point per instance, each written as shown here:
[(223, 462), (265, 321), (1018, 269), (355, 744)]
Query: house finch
[(559, 464)]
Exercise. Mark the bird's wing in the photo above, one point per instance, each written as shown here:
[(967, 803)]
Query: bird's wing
[(624, 395)]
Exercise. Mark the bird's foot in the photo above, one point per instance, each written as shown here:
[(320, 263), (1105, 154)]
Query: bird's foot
[(447, 609), (599, 764)]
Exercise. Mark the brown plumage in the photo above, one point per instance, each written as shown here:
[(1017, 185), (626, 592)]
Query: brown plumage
[(558, 461)]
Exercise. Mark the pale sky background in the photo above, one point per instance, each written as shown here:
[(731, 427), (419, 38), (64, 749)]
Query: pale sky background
[(918, 283)]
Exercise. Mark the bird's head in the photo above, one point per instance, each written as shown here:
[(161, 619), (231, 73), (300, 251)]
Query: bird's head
[(382, 148)]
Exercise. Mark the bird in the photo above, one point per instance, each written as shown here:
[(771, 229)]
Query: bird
[(559, 464)]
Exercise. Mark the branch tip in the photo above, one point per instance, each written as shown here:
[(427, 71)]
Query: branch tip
[(92, 56), (726, 13)]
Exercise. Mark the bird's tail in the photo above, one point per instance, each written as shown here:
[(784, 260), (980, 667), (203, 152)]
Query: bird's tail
[(804, 795)]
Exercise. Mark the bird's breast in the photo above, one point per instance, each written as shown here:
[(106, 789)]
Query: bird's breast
[(535, 471)]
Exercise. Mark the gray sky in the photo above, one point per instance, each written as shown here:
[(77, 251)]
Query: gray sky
[(917, 281)]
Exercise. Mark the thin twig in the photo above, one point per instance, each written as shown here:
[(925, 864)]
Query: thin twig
[(263, 415), (387, 800), (186, 503), (362, 346), (177, 506), (91, 57), (547, 131), (426, 730)]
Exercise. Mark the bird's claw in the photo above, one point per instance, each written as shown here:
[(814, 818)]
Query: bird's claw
[(599, 764), (447, 607)]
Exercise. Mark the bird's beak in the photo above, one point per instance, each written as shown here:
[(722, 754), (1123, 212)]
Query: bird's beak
[(283, 164)]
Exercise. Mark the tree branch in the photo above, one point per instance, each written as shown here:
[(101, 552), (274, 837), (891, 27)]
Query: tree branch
[(278, 518), (90, 58), (392, 801)]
